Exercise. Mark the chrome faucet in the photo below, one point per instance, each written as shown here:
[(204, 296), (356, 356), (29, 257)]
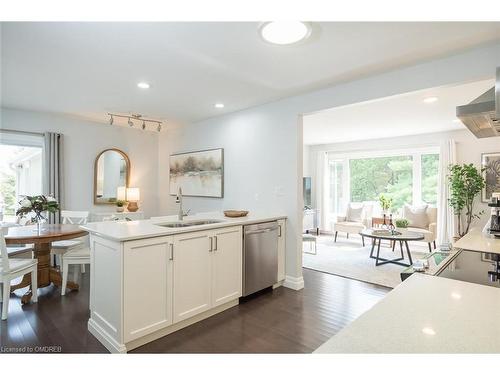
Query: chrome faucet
[(178, 199)]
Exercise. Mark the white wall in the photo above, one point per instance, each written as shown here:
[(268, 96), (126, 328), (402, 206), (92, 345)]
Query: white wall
[(264, 144), (469, 150), (83, 140)]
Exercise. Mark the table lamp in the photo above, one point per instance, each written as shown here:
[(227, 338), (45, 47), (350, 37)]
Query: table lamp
[(133, 196)]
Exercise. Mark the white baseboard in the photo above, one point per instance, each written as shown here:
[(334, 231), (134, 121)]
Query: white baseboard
[(295, 283)]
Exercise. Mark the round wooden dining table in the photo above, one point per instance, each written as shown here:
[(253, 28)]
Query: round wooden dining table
[(41, 239)]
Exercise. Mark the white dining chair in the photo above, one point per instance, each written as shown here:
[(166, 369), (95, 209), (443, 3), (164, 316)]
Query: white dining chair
[(79, 255), (11, 269), (59, 248)]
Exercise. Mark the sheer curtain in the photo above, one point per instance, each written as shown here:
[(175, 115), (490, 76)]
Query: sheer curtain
[(53, 171), (446, 219)]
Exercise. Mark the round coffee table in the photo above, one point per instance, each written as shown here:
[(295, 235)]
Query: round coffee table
[(403, 238)]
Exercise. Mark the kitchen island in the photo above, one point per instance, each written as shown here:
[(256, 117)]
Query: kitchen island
[(150, 278), (425, 314)]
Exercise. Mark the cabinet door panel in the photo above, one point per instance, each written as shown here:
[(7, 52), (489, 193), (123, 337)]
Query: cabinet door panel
[(192, 274), (147, 286), (227, 265)]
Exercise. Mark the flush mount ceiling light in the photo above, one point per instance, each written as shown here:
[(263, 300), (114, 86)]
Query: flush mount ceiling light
[(143, 85), (428, 331), (431, 99), (285, 32), (219, 105)]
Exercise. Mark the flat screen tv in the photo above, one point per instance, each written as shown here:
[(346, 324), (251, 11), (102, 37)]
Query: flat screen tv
[(306, 188)]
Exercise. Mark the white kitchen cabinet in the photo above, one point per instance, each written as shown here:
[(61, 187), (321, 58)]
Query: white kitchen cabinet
[(192, 270), (227, 265), (147, 267), (207, 270), (281, 249)]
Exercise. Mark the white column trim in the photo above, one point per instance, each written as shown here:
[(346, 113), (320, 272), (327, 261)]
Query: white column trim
[(295, 283)]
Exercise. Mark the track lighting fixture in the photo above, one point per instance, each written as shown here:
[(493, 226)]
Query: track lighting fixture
[(134, 116)]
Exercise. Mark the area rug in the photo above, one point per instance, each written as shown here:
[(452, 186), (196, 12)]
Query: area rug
[(348, 258)]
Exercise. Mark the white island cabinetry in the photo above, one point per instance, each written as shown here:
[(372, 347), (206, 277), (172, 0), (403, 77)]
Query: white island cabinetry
[(162, 283), (149, 278), (207, 270)]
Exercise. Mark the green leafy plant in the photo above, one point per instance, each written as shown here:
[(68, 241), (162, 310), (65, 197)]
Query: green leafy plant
[(385, 202), (402, 223), (120, 203), (37, 204), (465, 182)]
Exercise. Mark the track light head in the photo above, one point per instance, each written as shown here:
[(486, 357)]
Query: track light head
[(111, 120), (159, 127), (143, 125), (130, 123)]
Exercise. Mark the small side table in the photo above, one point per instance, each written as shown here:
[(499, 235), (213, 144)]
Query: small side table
[(312, 241)]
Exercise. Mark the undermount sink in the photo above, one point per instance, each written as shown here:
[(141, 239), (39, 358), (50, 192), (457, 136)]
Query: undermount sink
[(183, 224)]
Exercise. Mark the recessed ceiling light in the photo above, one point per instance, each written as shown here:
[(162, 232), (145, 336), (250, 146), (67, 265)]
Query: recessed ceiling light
[(143, 85), (284, 32), (431, 99), (456, 295), (219, 105), (456, 121), (429, 331)]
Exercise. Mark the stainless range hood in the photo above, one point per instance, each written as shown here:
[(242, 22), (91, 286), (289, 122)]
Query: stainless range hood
[(482, 115)]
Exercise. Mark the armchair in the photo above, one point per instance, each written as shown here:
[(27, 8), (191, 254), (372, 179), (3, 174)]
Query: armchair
[(423, 221), (357, 218)]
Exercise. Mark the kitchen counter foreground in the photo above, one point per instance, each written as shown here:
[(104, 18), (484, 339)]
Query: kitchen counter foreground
[(139, 229), (426, 314)]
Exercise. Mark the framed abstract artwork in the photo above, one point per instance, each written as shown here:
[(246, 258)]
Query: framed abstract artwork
[(198, 173), (491, 164)]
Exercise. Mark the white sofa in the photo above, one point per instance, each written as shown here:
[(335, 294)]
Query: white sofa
[(357, 218), (429, 230)]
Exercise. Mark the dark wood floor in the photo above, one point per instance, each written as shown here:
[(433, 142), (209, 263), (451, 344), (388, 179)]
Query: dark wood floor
[(279, 321)]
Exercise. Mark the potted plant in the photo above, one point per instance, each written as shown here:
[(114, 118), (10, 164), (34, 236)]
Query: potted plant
[(465, 182), (119, 205), (385, 203), (37, 204), (402, 224)]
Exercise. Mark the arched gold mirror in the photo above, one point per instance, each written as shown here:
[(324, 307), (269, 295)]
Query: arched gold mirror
[(111, 170)]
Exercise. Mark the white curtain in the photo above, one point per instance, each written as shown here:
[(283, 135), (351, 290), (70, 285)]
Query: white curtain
[(53, 171), (446, 219)]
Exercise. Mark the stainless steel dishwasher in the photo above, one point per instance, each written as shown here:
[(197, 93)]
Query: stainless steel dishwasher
[(260, 256)]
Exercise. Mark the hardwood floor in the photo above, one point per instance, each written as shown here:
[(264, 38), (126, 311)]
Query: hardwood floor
[(278, 321)]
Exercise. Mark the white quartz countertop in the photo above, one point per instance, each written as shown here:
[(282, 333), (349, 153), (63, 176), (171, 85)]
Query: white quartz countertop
[(139, 229), (426, 314), (476, 240)]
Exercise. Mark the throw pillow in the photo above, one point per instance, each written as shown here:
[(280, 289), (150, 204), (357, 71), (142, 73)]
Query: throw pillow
[(417, 216), (355, 214)]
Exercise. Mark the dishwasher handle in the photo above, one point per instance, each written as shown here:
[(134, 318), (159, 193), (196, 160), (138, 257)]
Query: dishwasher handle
[(261, 230)]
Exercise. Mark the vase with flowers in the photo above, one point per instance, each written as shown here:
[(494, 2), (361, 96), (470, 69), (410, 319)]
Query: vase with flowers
[(37, 205)]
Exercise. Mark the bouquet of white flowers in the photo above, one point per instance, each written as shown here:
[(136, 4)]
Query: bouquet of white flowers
[(37, 204)]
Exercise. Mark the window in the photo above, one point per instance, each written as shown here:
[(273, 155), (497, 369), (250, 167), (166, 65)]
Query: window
[(406, 177), (20, 174), (429, 180), (391, 176)]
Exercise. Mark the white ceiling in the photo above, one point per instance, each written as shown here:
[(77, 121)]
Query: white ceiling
[(91, 68), (394, 116)]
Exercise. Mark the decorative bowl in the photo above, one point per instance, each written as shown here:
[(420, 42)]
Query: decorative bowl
[(235, 213)]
